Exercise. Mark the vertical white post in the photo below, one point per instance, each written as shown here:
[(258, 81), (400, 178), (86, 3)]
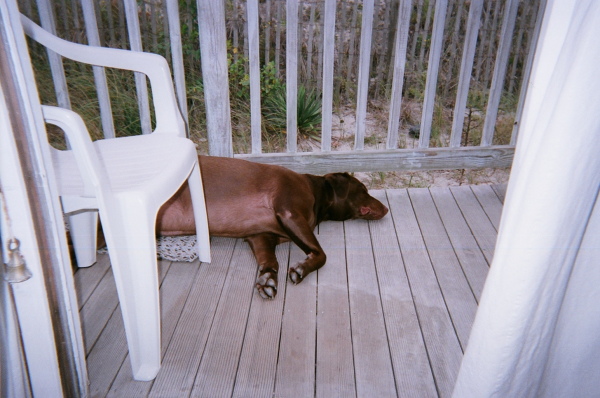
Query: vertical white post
[(135, 41), (75, 14), (153, 25), (363, 74), (268, 32), (122, 25), (254, 51), (165, 23), (425, 31), (56, 65), (435, 53), (177, 57), (291, 73), (522, 26), (245, 35), (91, 28), (328, 54), (309, 45), (111, 24), (404, 12), (278, 37), (350, 63), (527, 70), (320, 49), (508, 25), (213, 49), (417, 30), (466, 68)]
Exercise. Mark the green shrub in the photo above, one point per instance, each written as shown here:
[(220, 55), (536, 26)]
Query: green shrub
[(308, 111)]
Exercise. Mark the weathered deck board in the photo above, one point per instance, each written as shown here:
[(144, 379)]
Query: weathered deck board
[(479, 223), (335, 362), (407, 348), (98, 310), (108, 355), (174, 292), (386, 316), (219, 364), (295, 375), (459, 298), (500, 190), (489, 202), (441, 341), (258, 361), (182, 359), (110, 351), (465, 246), (372, 362), (86, 279)]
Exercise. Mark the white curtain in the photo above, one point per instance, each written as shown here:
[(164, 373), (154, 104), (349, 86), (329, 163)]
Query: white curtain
[(537, 330)]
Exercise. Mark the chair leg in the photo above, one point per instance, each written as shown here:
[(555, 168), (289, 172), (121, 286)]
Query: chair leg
[(132, 250), (200, 216), (84, 229)]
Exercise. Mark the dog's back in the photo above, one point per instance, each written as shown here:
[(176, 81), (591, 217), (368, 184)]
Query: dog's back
[(240, 198)]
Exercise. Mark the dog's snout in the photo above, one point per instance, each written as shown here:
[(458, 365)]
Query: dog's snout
[(385, 210), (381, 213)]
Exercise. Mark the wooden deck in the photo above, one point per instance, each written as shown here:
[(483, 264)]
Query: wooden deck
[(389, 315)]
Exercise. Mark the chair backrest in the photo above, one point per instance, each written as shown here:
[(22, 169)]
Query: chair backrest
[(155, 67)]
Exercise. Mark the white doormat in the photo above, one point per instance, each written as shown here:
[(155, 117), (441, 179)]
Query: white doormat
[(173, 248)]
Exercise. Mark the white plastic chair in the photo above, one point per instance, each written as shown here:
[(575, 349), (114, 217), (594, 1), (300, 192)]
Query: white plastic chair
[(127, 180)]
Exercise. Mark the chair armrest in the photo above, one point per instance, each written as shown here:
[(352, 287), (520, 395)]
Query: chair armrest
[(168, 116), (88, 162)]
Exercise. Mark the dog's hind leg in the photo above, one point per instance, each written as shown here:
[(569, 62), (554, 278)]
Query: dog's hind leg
[(263, 247)]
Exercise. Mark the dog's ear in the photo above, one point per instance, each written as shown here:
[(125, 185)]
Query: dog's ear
[(340, 182)]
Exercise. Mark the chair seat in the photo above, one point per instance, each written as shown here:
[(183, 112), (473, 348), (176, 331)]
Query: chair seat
[(150, 163)]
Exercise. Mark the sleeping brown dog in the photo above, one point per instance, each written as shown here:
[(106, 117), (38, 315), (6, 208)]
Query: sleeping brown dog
[(268, 205)]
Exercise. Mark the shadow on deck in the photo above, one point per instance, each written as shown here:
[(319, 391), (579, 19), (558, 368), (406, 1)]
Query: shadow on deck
[(388, 315)]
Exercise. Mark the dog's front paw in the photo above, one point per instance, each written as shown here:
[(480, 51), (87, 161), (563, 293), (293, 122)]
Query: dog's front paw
[(266, 285), (296, 274)]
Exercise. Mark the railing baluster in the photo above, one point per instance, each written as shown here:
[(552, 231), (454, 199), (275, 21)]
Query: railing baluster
[(350, 62), (278, 37), (527, 70), (363, 74), (309, 46), (435, 53), (56, 65), (404, 12), (213, 48), (320, 48), (268, 32), (252, 38), (466, 67), (111, 23), (177, 57), (508, 25), (328, 54), (135, 42), (91, 30), (122, 25), (291, 72)]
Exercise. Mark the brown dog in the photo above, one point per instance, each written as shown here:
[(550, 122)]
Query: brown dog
[(269, 205)]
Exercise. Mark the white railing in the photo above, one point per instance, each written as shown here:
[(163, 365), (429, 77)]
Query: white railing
[(213, 48)]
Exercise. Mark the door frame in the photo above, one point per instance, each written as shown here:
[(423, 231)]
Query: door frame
[(46, 304)]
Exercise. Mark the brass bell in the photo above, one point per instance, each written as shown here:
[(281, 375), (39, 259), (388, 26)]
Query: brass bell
[(16, 269)]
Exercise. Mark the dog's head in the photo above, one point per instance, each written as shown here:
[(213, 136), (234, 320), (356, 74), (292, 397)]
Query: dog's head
[(351, 199)]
